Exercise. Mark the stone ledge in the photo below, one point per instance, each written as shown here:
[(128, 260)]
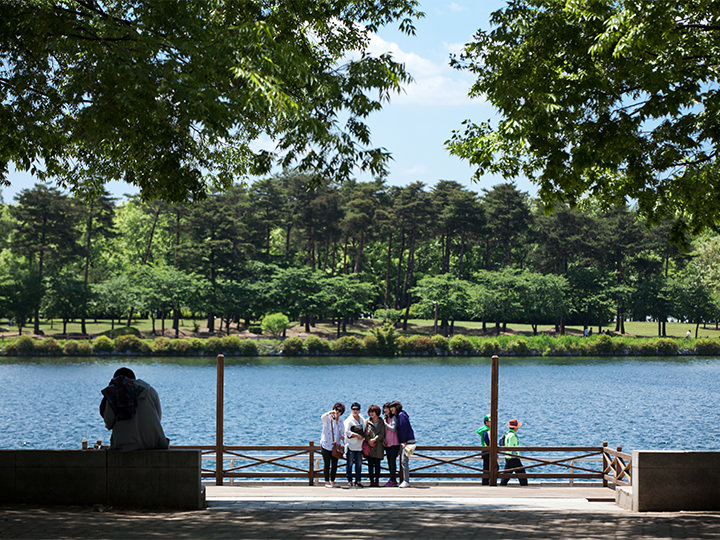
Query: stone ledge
[(168, 479)]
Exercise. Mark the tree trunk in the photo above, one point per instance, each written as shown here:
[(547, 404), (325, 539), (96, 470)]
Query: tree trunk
[(86, 271), (358, 258), (387, 268), (146, 255), (398, 299), (461, 256), (345, 248)]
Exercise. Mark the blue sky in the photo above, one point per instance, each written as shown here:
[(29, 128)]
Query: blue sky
[(415, 124)]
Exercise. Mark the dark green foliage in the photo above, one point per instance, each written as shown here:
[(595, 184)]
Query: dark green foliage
[(102, 344), (347, 345), (707, 346), (461, 345), (441, 344), (131, 343), (292, 346), (416, 346), (316, 345), (48, 346)]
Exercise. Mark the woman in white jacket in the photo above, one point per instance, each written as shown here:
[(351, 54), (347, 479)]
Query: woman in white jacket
[(332, 433)]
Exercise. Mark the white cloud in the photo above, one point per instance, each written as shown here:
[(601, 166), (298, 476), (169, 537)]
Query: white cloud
[(454, 6), (434, 83)]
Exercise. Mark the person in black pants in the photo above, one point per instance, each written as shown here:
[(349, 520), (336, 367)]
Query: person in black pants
[(333, 432), (513, 462)]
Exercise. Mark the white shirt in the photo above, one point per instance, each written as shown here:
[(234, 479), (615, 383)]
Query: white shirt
[(354, 443), (331, 427)]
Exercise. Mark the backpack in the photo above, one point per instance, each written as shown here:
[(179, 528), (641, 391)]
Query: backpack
[(501, 440)]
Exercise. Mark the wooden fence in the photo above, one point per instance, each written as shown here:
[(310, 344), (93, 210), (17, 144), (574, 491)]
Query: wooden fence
[(585, 463)]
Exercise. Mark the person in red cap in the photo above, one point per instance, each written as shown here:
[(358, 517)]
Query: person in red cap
[(512, 461)]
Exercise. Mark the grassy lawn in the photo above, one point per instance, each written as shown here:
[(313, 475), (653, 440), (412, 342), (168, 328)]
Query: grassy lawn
[(190, 327)]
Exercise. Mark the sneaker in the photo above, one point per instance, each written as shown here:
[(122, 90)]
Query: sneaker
[(358, 485), (329, 484), (390, 483), (349, 484), (405, 485)]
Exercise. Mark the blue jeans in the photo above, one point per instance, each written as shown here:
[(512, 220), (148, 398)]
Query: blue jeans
[(354, 456)]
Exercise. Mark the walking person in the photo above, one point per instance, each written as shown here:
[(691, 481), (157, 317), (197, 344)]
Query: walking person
[(406, 436), (333, 435), (354, 437), (484, 433), (513, 465), (374, 435), (392, 445)]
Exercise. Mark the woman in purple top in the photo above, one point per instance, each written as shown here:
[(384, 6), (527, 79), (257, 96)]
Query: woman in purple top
[(392, 445), (406, 437)]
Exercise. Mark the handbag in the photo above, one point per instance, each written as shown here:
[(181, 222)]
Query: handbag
[(365, 449), (337, 450)]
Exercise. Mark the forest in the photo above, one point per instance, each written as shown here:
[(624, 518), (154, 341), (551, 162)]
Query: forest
[(318, 250)]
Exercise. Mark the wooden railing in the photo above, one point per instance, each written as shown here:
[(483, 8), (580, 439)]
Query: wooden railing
[(570, 463)]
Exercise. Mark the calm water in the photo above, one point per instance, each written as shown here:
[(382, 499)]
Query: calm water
[(636, 403)]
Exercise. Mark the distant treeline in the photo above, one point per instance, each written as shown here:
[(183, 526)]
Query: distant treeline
[(314, 250)]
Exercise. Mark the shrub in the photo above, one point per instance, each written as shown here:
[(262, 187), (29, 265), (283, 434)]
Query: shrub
[(667, 346), (347, 345), (601, 345), (84, 348), (20, 346), (388, 316), (387, 340), (25, 345), (161, 346), (417, 345), (248, 348), (255, 329), (103, 344), (488, 347), (517, 347), (707, 346), (70, 348), (292, 346), (315, 345), (231, 344), (48, 346), (213, 345), (441, 344), (122, 331), (131, 343), (195, 345), (275, 323), (461, 345), (370, 343), (557, 349)]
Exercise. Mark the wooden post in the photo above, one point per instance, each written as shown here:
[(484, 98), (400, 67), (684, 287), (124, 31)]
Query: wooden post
[(618, 465), (604, 463), (311, 465), (219, 420), (494, 420)]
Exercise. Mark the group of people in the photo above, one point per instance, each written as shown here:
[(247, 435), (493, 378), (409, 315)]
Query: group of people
[(387, 433), (131, 409), (513, 465)]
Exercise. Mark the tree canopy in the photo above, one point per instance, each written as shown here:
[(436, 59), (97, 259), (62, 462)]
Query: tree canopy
[(617, 99), (179, 96)]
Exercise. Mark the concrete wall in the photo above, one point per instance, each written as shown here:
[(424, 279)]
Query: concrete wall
[(141, 479), (673, 481)]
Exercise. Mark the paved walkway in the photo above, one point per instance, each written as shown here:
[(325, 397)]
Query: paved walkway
[(419, 512)]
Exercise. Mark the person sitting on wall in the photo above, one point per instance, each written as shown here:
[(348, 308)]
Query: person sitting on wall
[(131, 409)]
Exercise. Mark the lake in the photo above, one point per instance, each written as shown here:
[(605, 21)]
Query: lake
[(638, 403)]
